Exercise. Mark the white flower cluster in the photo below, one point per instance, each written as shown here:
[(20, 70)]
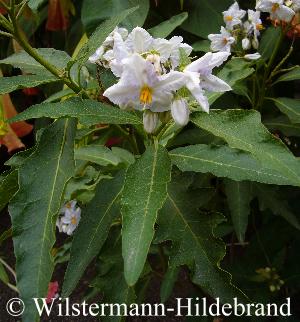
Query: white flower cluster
[(283, 10), (237, 29), (156, 75), (69, 218), (249, 31)]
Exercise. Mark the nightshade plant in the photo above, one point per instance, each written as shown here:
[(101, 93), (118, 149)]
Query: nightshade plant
[(156, 149)]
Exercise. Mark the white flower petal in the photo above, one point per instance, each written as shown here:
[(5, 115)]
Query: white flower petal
[(214, 84), (180, 111), (150, 121), (139, 40)]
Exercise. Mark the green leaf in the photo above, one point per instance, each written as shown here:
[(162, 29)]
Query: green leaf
[(124, 155), (10, 84), (268, 42), (290, 107), (8, 187), (290, 76), (242, 129), (42, 179), (93, 229), (29, 65), (222, 161), (239, 197), (111, 282), (35, 4), (3, 275), (193, 241), (165, 28), (94, 12), (202, 45), (144, 193), (270, 198), (88, 112), (100, 34), (168, 283), (233, 71), (205, 16), (98, 154), (282, 124)]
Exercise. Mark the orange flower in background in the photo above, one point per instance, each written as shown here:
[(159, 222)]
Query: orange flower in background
[(10, 134), (58, 14)]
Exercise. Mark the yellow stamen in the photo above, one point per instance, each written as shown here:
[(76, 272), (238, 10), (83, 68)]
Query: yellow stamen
[(228, 18), (275, 7), (259, 26), (146, 95), (73, 221), (68, 205)]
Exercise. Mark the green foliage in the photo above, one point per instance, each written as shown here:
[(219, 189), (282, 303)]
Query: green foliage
[(289, 107), (243, 130), (8, 187), (145, 191), (222, 161), (93, 230), (165, 28), (42, 178), (10, 84), (239, 196), (193, 238), (88, 112)]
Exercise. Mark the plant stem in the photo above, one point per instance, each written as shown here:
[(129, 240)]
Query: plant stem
[(18, 35), (268, 69), (8, 268)]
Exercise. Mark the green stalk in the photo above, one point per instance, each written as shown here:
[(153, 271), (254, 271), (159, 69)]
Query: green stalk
[(18, 35)]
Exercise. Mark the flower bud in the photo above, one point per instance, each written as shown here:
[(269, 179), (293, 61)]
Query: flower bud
[(255, 43), (254, 56), (246, 44), (150, 121), (180, 111)]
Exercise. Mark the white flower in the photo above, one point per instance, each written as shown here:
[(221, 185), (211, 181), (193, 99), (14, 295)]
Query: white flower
[(233, 16), (104, 54), (70, 205), (199, 77), (170, 49), (150, 121), (141, 87), (69, 221), (254, 56), (180, 111), (222, 41), (277, 9), (254, 24)]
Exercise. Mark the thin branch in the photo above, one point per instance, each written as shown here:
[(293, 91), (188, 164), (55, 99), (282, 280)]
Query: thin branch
[(8, 268)]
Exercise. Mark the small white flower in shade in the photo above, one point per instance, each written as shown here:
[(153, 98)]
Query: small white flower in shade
[(255, 43), (70, 205), (246, 43), (69, 221), (150, 121), (255, 22), (104, 54), (199, 77), (155, 60), (141, 87), (254, 56), (180, 111), (233, 16), (277, 9), (222, 41)]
